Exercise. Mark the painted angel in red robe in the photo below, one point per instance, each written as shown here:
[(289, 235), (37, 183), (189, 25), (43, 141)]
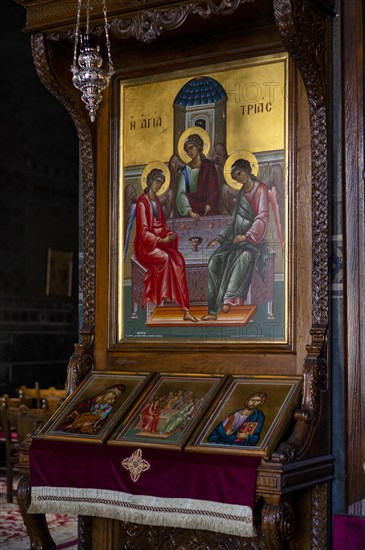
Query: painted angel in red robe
[(150, 416), (156, 248)]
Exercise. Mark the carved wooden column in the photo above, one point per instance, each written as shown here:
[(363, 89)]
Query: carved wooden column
[(319, 517), (281, 485), (277, 525), (304, 31)]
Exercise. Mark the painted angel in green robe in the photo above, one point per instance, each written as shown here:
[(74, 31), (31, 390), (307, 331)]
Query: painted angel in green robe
[(242, 244)]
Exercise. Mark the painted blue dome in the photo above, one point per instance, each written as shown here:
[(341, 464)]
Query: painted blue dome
[(201, 90)]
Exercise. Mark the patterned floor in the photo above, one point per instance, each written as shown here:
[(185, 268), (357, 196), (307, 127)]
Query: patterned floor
[(13, 535)]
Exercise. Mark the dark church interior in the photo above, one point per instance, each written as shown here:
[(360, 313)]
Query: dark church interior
[(39, 211)]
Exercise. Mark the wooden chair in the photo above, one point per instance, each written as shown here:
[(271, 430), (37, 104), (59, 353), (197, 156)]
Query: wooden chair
[(14, 402), (52, 395), (18, 420)]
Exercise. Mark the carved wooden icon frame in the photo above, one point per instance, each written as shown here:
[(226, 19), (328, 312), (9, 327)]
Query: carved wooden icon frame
[(93, 410), (167, 413), (250, 118), (248, 417)]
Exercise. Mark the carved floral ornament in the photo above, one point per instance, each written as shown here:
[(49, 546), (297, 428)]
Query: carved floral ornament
[(148, 24)]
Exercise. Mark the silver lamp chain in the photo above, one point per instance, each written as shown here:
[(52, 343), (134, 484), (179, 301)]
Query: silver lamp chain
[(77, 32), (87, 69), (88, 17), (107, 39)]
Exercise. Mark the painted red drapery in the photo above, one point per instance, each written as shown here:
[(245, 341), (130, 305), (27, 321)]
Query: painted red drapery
[(207, 191), (166, 277)]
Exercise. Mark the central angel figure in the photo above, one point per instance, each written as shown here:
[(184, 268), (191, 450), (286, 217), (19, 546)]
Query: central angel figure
[(197, 189)]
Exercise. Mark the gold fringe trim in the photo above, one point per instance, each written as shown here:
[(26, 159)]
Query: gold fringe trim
[(167, 512)]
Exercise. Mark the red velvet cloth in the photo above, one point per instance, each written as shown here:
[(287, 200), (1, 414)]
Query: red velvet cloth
[(348, 532), (230, 479)]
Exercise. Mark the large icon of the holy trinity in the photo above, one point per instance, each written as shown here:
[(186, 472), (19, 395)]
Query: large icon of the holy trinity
[(204, 205)]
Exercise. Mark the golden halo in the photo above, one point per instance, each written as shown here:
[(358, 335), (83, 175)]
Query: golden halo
[(241, 154), (184, 136), (149, 167)]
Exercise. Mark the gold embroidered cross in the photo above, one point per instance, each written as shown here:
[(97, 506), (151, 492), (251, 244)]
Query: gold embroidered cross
[(135, 464)]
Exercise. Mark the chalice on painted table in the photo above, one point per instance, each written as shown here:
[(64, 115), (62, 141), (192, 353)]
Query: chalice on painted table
[(195, 242)]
